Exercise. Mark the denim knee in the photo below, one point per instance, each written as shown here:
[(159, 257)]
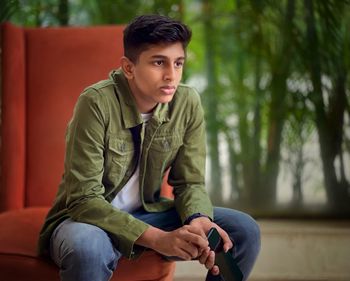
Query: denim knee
[(245, 234), (253, 236), (83, 252), (90, 246), (249, 245)]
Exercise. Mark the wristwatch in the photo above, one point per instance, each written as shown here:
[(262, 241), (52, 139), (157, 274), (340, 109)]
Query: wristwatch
[(195, 216)]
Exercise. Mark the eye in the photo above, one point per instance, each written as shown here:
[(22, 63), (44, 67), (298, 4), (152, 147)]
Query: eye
[(179, 64), (158, 62)]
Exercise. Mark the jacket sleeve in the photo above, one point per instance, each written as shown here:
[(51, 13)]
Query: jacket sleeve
[(187, 174), (84, 168)]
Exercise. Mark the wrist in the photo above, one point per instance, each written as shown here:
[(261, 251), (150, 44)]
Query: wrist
[(148, 237), (196, 216)]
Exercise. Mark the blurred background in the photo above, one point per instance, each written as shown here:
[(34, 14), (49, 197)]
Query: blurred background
[(274, 81)]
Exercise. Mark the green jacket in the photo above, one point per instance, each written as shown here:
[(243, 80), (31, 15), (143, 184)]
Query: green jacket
[(103, 144)]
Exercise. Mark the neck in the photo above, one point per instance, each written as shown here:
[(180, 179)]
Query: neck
[(142, 105)]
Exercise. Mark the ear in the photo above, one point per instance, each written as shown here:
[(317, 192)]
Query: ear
[(127, 67)]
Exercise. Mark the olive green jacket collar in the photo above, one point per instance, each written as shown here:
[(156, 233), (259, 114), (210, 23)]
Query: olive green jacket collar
[(130, 114)]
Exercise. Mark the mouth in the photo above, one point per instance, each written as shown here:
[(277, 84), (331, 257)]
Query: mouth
[(168, 90)]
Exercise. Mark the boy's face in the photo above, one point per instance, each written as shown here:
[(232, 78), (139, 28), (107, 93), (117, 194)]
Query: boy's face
[(155, 76)]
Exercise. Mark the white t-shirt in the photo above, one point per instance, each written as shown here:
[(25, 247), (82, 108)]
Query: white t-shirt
[(128, 199)]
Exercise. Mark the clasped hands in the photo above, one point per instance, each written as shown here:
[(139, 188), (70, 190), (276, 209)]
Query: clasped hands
[(187, 242)]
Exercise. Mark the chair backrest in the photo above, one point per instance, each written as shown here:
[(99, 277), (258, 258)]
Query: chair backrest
[(43, 72)]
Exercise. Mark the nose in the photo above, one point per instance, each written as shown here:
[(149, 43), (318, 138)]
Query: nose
[(169, 73)]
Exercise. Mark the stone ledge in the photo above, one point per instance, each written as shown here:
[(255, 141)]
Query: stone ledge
[(317, 227), (294, 251), (259, 279)]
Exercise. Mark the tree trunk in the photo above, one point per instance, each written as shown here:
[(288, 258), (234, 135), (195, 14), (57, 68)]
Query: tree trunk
[(256, 147), (63, 12), (236, 188), (328, 138), (297, 198), (277, 108), (211, 104)]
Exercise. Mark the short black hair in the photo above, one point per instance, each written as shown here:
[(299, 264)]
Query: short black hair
[(148, 30)]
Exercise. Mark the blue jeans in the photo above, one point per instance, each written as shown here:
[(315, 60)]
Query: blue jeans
[(85, 252)]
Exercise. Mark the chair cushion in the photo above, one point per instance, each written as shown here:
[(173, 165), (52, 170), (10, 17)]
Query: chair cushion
[(19, 260)]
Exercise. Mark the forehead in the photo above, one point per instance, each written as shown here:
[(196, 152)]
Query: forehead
[(165, 50)]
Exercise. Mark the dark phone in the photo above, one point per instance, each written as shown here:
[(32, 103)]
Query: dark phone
[(214, 239), (229, 269)]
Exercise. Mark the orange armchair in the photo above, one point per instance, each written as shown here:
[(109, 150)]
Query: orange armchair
[(43, 72)]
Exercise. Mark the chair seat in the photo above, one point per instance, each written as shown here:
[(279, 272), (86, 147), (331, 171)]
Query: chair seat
[(19, 260)]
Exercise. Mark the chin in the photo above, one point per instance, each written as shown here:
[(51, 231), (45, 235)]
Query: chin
[(166, 99)]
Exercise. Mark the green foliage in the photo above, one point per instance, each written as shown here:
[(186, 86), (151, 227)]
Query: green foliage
[(273, 75), (7, 9), (33, 13)]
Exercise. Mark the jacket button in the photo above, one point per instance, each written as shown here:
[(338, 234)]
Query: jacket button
[(122, 147), (166, 144)]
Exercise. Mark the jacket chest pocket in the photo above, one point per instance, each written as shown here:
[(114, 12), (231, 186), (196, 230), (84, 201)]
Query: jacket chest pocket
[(163, 150), (119, 156)]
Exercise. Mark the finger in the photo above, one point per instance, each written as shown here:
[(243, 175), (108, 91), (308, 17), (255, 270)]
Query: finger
[(215, 270), (227, 243), (196, 230), (183, 249), (200, 251), (191, 250), (227, 246), (204, 256), (195, 239), (184, 254), (209, 263)]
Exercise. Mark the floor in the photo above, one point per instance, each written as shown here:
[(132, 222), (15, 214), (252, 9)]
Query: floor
[(253, 279), (293, 250)]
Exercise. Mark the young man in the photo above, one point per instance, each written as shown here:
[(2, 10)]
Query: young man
[(126, 132)]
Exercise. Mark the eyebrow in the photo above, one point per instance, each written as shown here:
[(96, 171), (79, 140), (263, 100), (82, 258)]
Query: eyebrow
[(165, 57)]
